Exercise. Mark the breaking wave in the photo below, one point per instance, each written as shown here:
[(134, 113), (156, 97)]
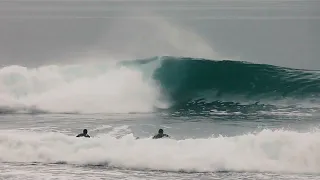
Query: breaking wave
[(159, 83), (267, 150)]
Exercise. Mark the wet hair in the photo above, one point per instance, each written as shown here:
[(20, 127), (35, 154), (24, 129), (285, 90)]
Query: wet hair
[(85, 131), (160, 131)]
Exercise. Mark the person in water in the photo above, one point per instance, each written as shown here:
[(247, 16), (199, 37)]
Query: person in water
[(84, 134), (160, 134)]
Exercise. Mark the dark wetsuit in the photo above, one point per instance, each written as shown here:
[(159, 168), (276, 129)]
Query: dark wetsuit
[(158, 136), (83, 135)]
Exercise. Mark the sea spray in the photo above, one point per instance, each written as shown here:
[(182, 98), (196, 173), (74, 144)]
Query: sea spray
[(83, 89)]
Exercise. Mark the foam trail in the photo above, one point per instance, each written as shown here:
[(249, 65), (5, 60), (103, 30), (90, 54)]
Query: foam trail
[(275, 151), (97, 88)]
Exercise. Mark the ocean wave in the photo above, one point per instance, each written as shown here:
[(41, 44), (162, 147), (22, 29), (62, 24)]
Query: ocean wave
[(84, 88), (156, 84), (264, 151), (204, 85)]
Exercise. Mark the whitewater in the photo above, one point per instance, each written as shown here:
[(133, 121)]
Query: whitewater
[(150, 84), (106, 87), (273, 151), (227, 120), (235, 84)]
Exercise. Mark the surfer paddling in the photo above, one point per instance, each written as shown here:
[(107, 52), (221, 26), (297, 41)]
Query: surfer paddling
[(84, 134), (160, 135)]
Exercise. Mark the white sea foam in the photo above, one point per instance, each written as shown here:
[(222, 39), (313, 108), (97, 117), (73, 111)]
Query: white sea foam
[(95, 88), (275, 151)]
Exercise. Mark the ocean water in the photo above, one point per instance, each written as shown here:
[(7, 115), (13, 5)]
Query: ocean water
[(227, 120)]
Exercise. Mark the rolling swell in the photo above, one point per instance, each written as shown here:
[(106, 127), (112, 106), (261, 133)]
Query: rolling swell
[(200, 84)]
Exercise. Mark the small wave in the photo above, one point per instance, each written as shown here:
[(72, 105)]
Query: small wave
[(267, 150)]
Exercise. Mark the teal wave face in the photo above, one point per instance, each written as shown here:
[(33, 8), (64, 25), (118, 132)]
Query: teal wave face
[(200, 83), (187, 78)]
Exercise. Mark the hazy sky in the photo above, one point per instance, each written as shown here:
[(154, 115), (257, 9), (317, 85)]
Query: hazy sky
[(280, 32)]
